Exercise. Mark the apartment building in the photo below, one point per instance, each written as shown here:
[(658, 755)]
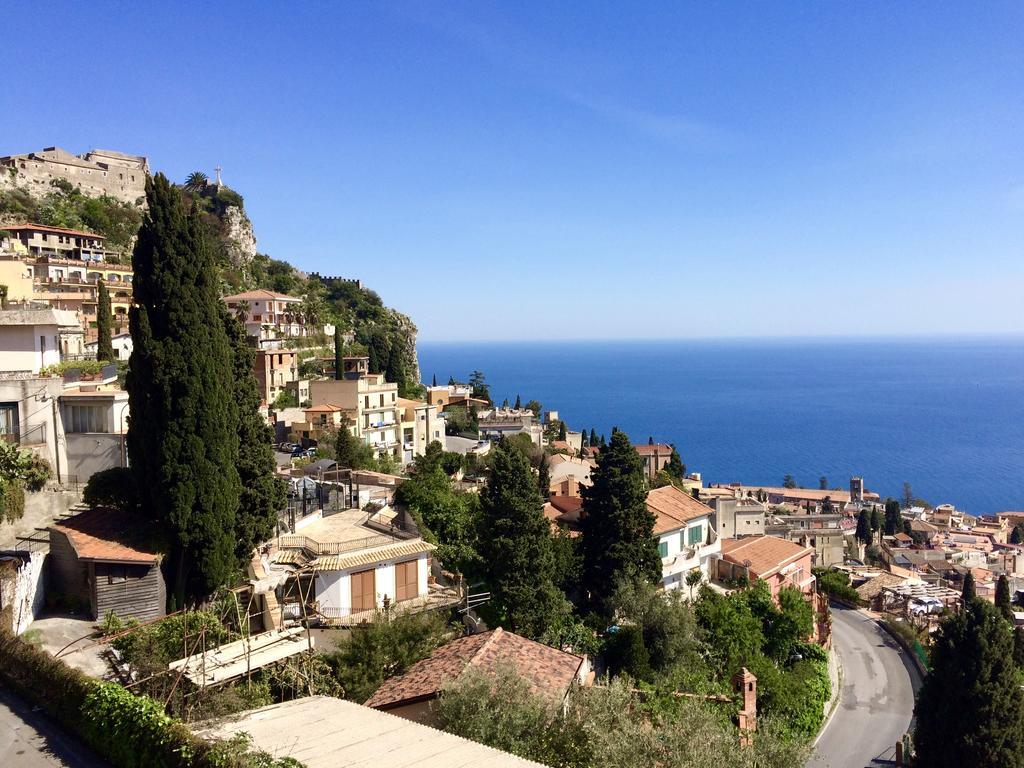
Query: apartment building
[(275, 369), (32, 339), (270, 318), (420, 426), (374, 401), (42, 240)]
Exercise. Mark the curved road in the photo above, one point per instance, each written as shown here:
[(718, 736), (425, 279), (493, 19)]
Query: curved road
[(876, 704)]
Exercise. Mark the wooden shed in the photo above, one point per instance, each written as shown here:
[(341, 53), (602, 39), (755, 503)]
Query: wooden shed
[(97, 558)]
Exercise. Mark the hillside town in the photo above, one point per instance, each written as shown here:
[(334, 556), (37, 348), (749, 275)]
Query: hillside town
[(408, 564)]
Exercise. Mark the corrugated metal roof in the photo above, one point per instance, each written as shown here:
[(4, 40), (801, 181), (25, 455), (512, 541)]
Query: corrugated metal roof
[(369, 556)]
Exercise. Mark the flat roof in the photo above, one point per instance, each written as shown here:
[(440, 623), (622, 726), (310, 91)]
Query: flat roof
[(324, 732)]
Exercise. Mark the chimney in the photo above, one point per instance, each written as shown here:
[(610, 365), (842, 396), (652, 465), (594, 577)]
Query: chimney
[(745, 684)]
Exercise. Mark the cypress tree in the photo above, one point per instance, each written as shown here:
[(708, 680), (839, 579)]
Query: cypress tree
[(515, 546), (396, 368), (1003, 597), (618, 528), (434, 381), (877, 520), (1017, 534), (969, 592), (519, 403), (104, 323), (262, 494), (864, 533), (544, 478), (970, 710), (593, 437), (350, 451), (893, 518), (561, 430), (338, 345), (675, 466), (182, 431)]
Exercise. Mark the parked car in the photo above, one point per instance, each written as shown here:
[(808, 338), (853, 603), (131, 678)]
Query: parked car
[(286, 447), (924, 606), (298, 450)]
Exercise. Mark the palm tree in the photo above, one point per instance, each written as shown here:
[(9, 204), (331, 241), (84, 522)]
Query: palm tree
[(242, 310), (196, 181)]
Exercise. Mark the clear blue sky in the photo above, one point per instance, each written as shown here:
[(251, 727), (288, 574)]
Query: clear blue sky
[(542, 170)]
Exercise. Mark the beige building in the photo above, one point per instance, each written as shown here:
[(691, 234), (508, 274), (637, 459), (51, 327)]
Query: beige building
[(41, 240), (16, 277), (270, 318), (420, 426), (97, 172), (275, 369), (95, 421), (374, 401), (735, 518)]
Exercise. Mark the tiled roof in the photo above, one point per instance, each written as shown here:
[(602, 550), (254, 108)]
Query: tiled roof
[(766, 554), (658, 448), (52, 230), (325, 408), (106, 535), (371, 556), (673, 508), (260, 293), (549, 671)]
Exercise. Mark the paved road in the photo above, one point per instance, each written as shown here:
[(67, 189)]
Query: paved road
[(31, 740), (877, 701)]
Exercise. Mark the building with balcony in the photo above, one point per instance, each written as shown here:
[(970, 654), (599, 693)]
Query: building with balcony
[(356, 563), (269, 318), (420, 426), (374, 401), (41, 240), (30, 416), (687, 541), (777, 562)]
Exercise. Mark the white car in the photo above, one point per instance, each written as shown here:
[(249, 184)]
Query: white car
[(923, 606)]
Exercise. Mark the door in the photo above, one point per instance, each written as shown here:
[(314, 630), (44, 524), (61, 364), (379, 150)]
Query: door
[(406, 580), (364, 591)]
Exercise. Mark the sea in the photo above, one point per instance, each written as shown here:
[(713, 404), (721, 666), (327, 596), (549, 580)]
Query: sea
[(944, 414)]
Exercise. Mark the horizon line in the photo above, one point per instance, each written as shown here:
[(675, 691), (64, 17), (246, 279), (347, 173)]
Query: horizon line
[(929, 336)]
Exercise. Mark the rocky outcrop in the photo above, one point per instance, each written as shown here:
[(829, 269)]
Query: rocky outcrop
[(406, 334), (239, 239)]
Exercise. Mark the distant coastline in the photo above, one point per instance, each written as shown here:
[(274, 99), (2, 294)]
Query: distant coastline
[(945, 413)]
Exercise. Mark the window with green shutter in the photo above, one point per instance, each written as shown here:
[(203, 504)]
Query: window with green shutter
[(696, 535), (663, 548)]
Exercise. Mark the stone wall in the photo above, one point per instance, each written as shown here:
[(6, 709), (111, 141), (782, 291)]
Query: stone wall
[(21, 589), (125, 181)]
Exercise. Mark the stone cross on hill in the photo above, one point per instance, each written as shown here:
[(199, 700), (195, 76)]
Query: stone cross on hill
[(219, 182)]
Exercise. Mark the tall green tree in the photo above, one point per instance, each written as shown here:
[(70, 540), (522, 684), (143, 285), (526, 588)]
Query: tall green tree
[(969, 591), (864, 533), (395, 371), (515, 546), (970, 710), (104, 325), (351, 452), (877, 520), (182, 437), (339, 345), (593, 437), (618, 528), (1017, 534), (893, 518), (788, 482), (1003, 602), (544, 477), (675, 467), (519, 403), (263, 494)]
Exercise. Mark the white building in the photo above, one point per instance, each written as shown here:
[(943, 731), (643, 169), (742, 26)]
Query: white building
[(361, 563), (33, 339), (686, 538), (268, 317), (121, 342)]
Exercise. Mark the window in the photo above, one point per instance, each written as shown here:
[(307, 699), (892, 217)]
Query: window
[(85, 418), (8, 421), (663, 549), (367, 400), (695, 535), (117, 574), (406, 580)]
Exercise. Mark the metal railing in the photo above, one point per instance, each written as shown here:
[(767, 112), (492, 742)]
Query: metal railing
[(298, 541), (33, 435)]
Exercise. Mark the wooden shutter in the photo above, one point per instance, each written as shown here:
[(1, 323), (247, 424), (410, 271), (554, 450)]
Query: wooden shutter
[(406, 580), (364, 591)]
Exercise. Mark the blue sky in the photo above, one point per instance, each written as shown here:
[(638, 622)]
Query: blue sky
[(557, 170)]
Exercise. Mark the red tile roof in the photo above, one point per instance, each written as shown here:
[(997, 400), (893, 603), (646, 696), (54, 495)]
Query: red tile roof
[(764, 555), (54, 230), (673, 508), (106, 535), (260, 293), (658, 448), (549, 671)]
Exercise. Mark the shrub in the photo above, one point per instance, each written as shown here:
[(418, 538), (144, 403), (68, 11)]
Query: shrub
[(12, 500), (837, 584), (37, 473), (625, 653), (114, 487)]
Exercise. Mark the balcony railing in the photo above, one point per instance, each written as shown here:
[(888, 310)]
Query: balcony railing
[(315, 547), (33, 435)]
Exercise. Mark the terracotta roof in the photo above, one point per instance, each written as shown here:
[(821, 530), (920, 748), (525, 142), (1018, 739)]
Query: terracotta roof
[(873, 587), (370, 556), (325, 408), (54, 230), (260, 293), (673, 508), (106, 535), (649, 450), (405, 402), (568, 504), (766, 554), (549, 671)]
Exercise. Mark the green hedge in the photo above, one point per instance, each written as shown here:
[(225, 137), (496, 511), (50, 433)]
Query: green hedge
[(129, 731)]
